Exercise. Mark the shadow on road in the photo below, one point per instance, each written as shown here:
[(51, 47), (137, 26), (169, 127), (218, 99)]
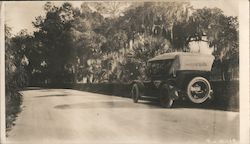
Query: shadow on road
[(186, 104), (108, 104), (214, 105), (140, 105), (33, 88), (56, 95), (211, 106)]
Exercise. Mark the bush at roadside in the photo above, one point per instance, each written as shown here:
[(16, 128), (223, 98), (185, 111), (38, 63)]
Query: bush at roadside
[(15, 81)]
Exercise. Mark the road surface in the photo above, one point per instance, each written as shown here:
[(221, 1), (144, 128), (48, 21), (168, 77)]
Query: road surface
[(67, 116)]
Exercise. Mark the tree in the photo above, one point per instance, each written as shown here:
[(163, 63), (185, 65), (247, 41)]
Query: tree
[(150, 27), (87, 41), (221, 32), (54, 35), (157, 18), (14, 56)]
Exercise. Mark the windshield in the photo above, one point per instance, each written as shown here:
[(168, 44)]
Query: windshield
[(160, 68)]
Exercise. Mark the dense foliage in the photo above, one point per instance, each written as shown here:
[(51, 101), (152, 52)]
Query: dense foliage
[(110, 42), (16, 77)]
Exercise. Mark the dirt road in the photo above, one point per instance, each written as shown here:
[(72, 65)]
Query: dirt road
[(70, 116)]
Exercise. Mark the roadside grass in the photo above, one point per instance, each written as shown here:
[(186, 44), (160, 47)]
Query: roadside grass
[(13, 108)]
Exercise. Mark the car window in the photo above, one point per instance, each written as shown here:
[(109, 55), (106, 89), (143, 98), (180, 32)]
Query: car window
[(160, 67)]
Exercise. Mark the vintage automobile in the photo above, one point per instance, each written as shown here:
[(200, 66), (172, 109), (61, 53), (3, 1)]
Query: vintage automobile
[(177, 75)]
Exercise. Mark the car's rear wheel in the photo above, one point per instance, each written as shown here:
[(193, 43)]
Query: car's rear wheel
[(135, 93), (198, 90), (165, 99)]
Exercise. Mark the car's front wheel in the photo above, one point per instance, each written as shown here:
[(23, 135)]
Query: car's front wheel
[(198, 90), (135, 93), (165, 100)]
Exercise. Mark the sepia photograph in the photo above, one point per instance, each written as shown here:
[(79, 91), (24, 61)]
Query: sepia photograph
[(121, 72)]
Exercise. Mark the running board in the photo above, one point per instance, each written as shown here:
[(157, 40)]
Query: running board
[(149, 97)]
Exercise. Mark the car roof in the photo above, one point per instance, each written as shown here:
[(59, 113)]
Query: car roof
[(172, 55)]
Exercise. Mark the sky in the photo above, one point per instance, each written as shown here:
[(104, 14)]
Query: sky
[(19, 15)]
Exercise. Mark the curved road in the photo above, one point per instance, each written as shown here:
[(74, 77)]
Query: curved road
[(67, 116)]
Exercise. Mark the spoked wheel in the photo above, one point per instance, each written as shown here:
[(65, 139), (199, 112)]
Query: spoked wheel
[(198, 90), (135, 93), (165, 99)]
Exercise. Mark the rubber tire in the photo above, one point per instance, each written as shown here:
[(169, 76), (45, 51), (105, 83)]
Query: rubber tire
[(165, 100), (190, 97), (135, 93)]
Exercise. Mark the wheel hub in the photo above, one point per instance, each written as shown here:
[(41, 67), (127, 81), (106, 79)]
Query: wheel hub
[(199, 90)]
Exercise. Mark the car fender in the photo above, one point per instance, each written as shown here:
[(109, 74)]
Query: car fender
[(173, 91), (140, 84)]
